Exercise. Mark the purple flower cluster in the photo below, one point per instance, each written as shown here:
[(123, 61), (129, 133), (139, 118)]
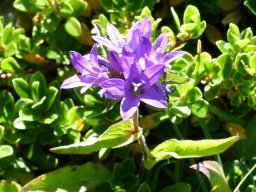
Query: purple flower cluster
[(132, 71)]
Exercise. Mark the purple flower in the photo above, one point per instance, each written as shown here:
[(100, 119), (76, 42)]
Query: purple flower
[(133, 69), (91, 73), (116, 42), (139, 86)]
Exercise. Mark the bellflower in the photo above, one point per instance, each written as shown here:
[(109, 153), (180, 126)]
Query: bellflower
[(132, 70), (140, 85), (91, 73), (116, 42)]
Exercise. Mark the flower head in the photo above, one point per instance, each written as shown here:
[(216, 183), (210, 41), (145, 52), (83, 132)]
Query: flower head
[(139, 86), (131, 73), (91, 73)]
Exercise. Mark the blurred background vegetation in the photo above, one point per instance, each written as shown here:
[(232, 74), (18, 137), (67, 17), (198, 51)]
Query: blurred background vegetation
[(35, 115)]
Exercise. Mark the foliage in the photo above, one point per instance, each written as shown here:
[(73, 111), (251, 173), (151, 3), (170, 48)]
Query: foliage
[(53, 139)]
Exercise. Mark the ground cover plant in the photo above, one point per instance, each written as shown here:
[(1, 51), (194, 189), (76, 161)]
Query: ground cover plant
[(124, 95)]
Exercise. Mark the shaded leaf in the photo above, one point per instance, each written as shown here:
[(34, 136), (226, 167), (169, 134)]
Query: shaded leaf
[(9, 186), (213, 171), (70, 178)]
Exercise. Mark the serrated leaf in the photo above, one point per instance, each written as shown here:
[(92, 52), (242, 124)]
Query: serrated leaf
[(117, 135), (188, 148), (213, 171), (70, 178)]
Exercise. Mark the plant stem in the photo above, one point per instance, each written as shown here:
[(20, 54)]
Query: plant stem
[(241, 182), (225, 116), (192, 161), (208, 136), (141, 139)]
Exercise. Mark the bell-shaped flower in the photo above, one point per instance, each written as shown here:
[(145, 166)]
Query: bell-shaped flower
[(140, 85), (91, 73)]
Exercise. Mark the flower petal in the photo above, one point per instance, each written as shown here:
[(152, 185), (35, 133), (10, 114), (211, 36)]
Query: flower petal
[(94, 55), (146, 27), (115, 62), (129, 105), (104, 41), (77, 81), (169, 57), (133, 39), (113, 88), (78, 61), (154, 97), (161, 43), (115, 36), (153, 73)]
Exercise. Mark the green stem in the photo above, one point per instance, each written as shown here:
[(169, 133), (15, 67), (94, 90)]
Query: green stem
[(208, 136), (225, 116), (241, 182), (141, 139), (192, 162)]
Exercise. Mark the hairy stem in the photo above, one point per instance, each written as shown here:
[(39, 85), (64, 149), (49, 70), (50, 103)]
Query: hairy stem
[(141, 139)]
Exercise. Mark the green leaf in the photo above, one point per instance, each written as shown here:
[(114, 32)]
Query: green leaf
[(233, 34), (19, 123), (199, 108), (144, 187), (10, 186), (38, 86), (176, 18), (188, 148), (73, 27), (248, 145), (5, 151), (251, 5), (51, 97), (49, 118), (117, 135), (29, 114), (11, 49), (79, 7), (226, 63), (21, 87), (214, 172), (181, 110), (29, 6), (1, 132), (181, 187), (9, 64), (191, 15), (193, 95), (66, 9), (70, 178), (7, 35)]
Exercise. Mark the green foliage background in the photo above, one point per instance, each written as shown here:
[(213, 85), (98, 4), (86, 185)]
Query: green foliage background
[(219, 101)]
